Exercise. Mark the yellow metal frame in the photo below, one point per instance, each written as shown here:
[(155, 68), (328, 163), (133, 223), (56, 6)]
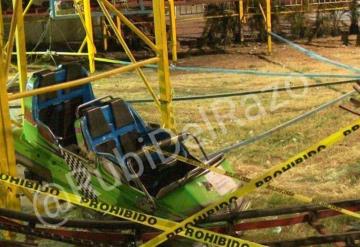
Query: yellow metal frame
[(268, 25), (7, 152), (131, 26), (21, 49), (89, 35), (243, 14), (105, 32), (164, 102), (172, 15), (28, 7), (242, 17), (128, 52), (166, 93), (267, 19)]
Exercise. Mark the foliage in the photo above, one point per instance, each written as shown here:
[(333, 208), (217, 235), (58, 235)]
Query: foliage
[(298, 27), (220, 31), (325, 24), (354, 17), (257, 23), (6, 4)]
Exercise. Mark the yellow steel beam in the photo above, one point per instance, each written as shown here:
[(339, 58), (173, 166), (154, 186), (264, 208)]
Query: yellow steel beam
[(167, 116), (82, 46), (3, 158), (89, 35), (241, 10), (172, 15), (88, 32), (263, 13), (130, 25), (28, 7), (10, 43), (82, 81), (241, 19), (128, 52), (1, 28), (104, 33), (118, 24), (21, 51), (7, 152), (268, 25)]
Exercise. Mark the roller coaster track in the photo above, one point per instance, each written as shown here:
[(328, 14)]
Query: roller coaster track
[(123, 233)]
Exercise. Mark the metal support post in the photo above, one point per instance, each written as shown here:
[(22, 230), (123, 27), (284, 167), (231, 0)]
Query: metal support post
[(167, 116), (241, 20), (172, 15), (7, 152), (89, 36), (21, 50), (118, 24), (268, 25), (104, 33)]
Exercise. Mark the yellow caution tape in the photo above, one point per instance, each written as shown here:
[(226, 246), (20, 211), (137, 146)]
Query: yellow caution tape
[(285, 192), (254, 184), (197, 234)]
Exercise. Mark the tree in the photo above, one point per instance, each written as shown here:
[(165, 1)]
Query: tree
[(354, 16)]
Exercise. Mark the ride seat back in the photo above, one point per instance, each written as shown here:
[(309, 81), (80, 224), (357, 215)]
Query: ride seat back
[(112, 126), (57, 109), (116, 126)]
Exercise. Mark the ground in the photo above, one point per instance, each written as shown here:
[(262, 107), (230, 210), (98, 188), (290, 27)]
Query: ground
[(333, 175)]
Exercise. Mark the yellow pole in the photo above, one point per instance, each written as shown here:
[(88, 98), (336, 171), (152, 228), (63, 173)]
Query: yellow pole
[(10, 43), (21, 51), (7, 153), (263, 14), (82, 46), (105, 33), (167, 116), (78, 10), (172, 15), (128, 52), (268, 25), (241, 19), (3, 159), (241, 10), (130, 25), (89, 36), (82, 81), (28, 7), (118, 24)]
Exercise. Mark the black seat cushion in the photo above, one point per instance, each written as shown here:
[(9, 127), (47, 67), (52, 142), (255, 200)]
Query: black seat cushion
[(98, 126), (106, 147), (130, 143), (46, 78), (59, 116), (73, 72), (69, 108), (121, 113), (60, 119)]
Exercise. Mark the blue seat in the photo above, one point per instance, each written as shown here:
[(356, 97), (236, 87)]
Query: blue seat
[(113, 125), (57, 109)]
